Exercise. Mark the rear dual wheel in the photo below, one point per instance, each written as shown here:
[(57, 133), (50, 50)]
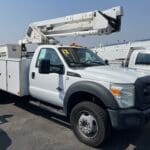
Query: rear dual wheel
[(90, 123)]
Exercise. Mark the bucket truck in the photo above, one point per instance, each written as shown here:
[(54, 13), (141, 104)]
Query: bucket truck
[(73, 81)]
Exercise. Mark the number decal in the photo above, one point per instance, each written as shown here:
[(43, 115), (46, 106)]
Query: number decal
[(65, 52)]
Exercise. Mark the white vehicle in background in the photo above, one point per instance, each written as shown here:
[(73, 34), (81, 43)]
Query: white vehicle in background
[(134, 55), (74, 81), (138, 59)]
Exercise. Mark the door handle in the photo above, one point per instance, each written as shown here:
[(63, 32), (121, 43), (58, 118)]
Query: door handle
[(33, 75), (59, 89)]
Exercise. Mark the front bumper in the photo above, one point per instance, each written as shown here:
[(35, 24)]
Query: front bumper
[(129, 118)]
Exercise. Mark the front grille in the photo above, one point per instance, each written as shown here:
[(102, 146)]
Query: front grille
[(142, 92)]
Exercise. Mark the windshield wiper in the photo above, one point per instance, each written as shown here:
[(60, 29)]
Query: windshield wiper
[(93, 62), (80, 64), (98, 62), (85, 64)]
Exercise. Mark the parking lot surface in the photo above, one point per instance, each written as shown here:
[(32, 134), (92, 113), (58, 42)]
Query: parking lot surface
[(26, 127)]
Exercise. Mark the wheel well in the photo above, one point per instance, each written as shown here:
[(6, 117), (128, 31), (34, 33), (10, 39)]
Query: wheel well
[(80, 97)]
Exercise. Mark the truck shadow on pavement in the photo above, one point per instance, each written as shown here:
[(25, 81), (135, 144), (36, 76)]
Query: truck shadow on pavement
[(3, 118), (128, 140), (44, 113), (119, 140), (5, 140), (6, 98)]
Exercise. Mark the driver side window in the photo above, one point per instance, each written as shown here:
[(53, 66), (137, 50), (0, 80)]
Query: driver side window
[(49, 54)]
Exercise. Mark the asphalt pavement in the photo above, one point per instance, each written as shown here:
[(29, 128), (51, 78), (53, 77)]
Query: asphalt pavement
[(27, 127)]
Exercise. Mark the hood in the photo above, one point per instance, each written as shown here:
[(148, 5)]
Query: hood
[(111, 74)]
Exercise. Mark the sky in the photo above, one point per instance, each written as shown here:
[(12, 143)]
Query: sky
[(16, 15)]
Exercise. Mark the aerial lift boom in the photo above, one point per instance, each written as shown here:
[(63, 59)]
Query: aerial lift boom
[(83, 24)]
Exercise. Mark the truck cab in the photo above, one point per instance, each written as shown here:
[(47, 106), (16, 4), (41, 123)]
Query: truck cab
[(94, 96)]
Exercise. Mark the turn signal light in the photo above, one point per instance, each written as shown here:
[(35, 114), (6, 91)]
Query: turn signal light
[(116, 91)]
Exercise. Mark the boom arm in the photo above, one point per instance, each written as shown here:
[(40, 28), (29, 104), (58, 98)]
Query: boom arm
[(90, 23)]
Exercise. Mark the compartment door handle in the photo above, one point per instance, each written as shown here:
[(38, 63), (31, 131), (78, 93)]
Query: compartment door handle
[(33, 75)]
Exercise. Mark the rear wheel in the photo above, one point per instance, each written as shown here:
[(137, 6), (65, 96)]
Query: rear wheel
[(90, 123)]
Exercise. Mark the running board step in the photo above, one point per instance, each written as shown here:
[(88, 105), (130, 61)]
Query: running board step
[(48, 108)]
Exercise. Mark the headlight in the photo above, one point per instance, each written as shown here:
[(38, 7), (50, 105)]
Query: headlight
[(124, 94)]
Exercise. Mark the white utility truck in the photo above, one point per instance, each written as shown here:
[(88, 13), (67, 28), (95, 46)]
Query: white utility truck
[(75, 82), (135, 55), (138, 58)]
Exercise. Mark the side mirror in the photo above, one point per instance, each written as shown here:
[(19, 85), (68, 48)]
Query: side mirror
[(106, 62), (57, 69), (44, 66)]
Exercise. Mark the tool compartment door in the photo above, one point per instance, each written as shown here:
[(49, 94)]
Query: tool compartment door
[(13, 77), (3, 75)]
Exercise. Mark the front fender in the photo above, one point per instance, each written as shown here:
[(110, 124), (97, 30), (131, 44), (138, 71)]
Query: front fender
[(93, 88)]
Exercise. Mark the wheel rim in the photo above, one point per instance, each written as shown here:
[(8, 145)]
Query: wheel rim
[(87, 125)]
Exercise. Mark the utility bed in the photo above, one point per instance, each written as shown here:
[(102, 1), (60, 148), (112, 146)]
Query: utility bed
[(14, 71), (11, 51)]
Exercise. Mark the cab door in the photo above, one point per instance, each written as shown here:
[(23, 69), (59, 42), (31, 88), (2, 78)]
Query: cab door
[(47, 87)]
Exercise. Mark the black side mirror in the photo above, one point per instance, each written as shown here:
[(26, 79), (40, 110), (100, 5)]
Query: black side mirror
[(44, 66), (57, 69), (106, 62)]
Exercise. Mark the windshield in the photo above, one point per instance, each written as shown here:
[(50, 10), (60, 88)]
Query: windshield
[(143, 59), (80, 57)]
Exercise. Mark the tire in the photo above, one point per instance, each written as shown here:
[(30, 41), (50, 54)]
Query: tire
[(87, 114)]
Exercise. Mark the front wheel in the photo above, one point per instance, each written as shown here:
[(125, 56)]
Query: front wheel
[(90, 123)]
